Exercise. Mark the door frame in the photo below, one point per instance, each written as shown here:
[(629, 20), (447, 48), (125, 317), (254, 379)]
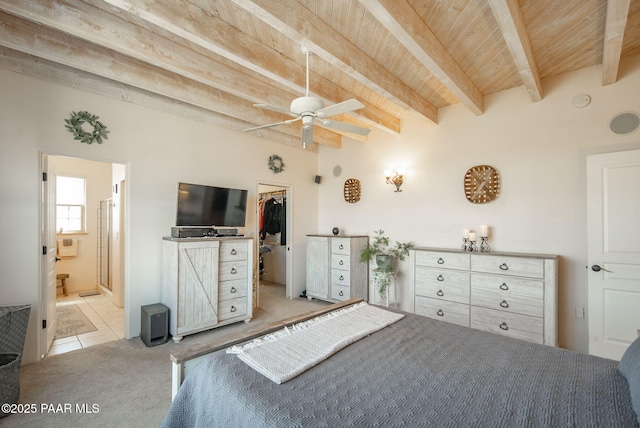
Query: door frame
[(46, 301), (289, 217), (44, 218)]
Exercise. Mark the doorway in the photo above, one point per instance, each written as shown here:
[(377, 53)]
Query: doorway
[(86, 255), (274, 231)]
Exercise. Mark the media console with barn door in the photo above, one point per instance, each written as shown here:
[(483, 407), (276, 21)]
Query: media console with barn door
[(513, 294), (206, 282)]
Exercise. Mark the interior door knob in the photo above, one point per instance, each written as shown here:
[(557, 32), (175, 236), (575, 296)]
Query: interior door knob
[(598, 268)]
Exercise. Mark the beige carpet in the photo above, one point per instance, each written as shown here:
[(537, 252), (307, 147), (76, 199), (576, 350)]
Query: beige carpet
[(124, 383), (71, 321)]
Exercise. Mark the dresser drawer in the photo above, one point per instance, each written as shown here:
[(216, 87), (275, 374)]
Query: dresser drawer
[(232, 270), (339, 292), (442, 284), (456, 313), (442, 259), (341, 246), (518, 266), (232, 308), (340, 261), (233, 250), (508, 324), (510, 294), (340, 277), (232, 289)]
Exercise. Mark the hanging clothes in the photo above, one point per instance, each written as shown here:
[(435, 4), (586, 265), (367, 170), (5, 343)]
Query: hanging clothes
[(272, 216), (283, 222)]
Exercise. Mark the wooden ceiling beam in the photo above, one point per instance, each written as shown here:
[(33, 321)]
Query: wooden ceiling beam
[(195, 25), (33, 39), (509, 18), (294, 20), (89, 23), (616, 21), (399, 18)]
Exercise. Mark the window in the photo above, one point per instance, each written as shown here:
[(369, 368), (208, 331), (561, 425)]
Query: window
[(70, 204)]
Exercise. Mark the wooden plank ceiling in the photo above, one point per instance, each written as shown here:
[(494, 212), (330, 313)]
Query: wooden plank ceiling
[(213, 59)]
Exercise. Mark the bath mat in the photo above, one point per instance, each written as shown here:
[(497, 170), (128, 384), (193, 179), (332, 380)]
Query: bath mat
[(71, 321)]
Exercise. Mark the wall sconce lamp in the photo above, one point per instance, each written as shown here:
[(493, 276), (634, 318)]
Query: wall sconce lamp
[(395, 177)]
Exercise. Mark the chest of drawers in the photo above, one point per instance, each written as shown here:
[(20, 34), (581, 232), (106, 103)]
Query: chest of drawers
[(334, 270), (513, 294), (206, 283)]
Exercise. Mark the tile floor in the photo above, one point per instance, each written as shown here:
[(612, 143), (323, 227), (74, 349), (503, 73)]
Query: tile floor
[(105, 316)]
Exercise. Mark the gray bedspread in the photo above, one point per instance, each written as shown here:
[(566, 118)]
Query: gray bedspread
[(417, 372)]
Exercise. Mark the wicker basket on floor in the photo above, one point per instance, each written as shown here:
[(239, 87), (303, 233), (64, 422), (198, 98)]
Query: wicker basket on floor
[(13, 331), (10, 380)]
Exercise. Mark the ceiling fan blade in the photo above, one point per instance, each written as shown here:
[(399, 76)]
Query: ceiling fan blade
[(307, 135), (343, 107), (286, 122), (346, 127), (276, 109)]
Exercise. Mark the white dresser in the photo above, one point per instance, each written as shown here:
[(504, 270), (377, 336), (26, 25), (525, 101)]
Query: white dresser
[(206, 283), (513, 294), (334, 270)]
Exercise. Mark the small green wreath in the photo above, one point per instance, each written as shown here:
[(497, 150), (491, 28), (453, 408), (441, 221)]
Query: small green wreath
[(74, 125), (275, 164)]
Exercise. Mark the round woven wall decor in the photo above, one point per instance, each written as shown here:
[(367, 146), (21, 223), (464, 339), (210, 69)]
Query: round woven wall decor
[(352, 190)]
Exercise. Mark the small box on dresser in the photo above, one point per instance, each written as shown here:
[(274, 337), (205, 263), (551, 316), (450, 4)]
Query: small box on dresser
[(513, 294)]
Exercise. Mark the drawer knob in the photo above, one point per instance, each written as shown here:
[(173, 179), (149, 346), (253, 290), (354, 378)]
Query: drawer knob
[(341, 278), (504, 304), (233, 252), (440, 261), (440, 293), (440, 313), (233, 309), (440, 278), (341, 262), (341, 293), (504, 286), (504, 326), (504, 266), (234, 271), (341, 247), (233, 289)]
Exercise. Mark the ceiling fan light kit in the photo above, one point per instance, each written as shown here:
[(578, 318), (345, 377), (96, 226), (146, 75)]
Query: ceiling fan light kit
[(308, 108)]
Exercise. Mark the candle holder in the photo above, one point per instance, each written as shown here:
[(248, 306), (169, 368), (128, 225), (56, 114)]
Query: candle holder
[(472, 247), (465, 244), (484, 245)]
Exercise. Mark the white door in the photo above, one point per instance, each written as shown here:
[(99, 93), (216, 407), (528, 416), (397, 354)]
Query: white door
[(48, 270), (613, 207)]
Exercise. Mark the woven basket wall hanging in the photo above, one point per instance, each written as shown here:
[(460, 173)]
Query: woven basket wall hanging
[(352, 190)]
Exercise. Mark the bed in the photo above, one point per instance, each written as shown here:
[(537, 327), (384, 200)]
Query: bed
[(418, 372)]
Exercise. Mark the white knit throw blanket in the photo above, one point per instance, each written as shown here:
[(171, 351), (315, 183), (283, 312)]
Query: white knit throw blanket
[(285, 354)]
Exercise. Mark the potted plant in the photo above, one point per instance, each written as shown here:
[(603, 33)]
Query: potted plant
[(385, 253)]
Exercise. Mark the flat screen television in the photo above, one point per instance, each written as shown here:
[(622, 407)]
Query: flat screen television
[(200, 205)]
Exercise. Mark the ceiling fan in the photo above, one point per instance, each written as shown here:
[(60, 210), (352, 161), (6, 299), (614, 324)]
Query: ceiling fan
[(311, 110)]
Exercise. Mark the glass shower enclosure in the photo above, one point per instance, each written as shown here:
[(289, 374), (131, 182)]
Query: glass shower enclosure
[(104, 243)]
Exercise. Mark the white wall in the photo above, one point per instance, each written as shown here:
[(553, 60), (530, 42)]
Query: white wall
[(82, 268), (159, 150), (539, 149)]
